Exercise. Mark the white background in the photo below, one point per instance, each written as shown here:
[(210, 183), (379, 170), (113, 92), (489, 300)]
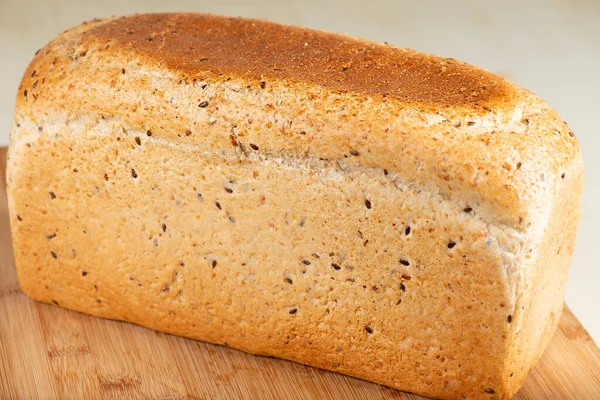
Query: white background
[(551, 47)]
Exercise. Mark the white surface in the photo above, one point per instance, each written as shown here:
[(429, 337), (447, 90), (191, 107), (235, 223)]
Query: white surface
[(551, 47)]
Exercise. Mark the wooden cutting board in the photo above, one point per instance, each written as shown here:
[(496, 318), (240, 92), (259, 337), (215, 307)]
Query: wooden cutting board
[(47, 352)]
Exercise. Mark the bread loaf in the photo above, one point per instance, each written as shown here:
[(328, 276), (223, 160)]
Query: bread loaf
[(391, 215)]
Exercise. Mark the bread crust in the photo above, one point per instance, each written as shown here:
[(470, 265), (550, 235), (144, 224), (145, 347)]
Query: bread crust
[(194, 45), (457, 153), (454, 139)]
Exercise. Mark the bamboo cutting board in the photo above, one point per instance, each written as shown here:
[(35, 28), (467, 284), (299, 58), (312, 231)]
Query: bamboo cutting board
[(47, 352)]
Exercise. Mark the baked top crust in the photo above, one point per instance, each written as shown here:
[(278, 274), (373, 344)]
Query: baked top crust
[(197, 44)]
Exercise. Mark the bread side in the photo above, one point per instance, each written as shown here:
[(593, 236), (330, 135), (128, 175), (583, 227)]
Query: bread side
[(397, 239), (541, 289)]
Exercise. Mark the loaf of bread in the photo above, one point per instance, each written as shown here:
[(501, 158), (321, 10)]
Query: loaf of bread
[(391, 215)]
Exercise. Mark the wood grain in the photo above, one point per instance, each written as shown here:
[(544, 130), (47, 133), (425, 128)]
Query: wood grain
[(50, 353)]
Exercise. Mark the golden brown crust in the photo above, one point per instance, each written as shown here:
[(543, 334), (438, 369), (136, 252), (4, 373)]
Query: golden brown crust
[(88, 70), (200, 44)]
